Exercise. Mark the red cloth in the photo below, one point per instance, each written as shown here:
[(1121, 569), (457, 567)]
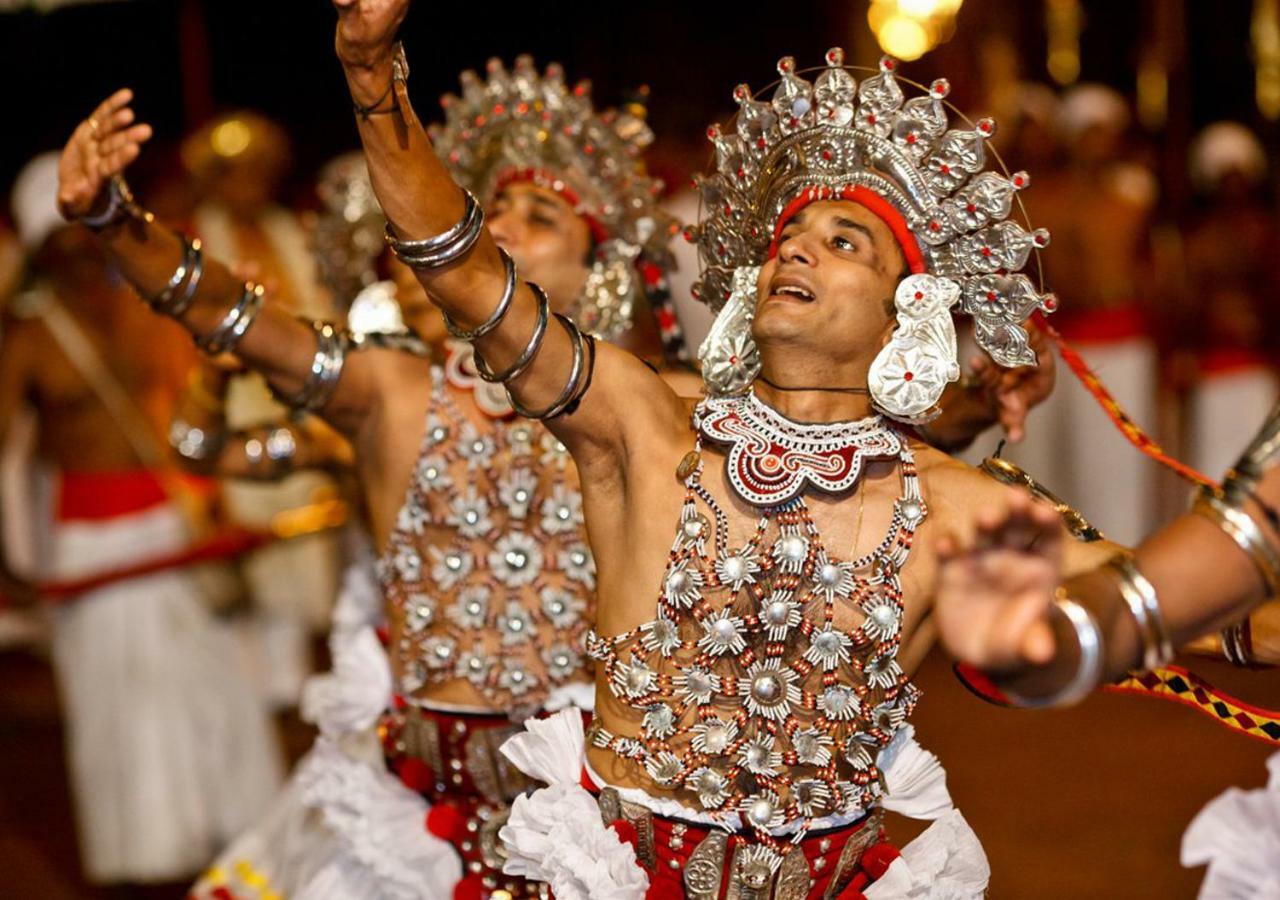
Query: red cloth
[(1102, 326), (1231, 360), (99, 496), (666, 880)]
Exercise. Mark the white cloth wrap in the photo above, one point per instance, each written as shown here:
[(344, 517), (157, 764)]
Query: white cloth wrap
[(344, 827), (555, 834), (549, 828), (170, 751), (1237, 835)]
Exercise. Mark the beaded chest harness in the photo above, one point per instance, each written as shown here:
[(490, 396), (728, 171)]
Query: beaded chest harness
[(759, 697), (488, 569)]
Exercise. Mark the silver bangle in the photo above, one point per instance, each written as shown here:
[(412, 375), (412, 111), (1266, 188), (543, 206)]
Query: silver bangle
[(499, 313), (235, 323), (120, 205), (326, 369), (1241, 528), (190, 268), (1088, 672), (530, 349), (571, 388), (1144, 605), (446, 247)]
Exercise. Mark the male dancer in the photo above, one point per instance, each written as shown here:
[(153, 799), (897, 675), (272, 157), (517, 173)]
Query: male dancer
[(767, 692)]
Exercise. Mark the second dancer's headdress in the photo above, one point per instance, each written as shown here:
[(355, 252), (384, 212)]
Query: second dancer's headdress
[(520, 125), (836, 138)]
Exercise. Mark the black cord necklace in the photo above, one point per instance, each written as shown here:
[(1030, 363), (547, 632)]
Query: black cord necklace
[(829, 390)]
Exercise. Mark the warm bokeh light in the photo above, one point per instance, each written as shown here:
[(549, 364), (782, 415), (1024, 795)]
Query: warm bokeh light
[(908, 29), (231, 138), (903, 37)]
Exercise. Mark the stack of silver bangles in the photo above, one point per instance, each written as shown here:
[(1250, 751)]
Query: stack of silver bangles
[(450, 246), (178, 294), (1140, 597), (332, 344), (446, 247)]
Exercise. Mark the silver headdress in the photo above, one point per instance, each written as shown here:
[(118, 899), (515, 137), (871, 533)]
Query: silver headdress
[(520, 125), (834, 134), (347, 238)]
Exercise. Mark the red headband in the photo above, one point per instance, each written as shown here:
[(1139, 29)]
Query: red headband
[(882, 208), (551, 181)]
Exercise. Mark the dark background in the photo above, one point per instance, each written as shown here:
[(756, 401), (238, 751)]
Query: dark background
[(188, 59)]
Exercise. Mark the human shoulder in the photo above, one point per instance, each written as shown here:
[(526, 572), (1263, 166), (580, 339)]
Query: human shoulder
[(952, 488)]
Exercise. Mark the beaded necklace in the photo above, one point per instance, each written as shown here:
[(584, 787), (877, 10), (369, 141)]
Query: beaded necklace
[(768, 681)]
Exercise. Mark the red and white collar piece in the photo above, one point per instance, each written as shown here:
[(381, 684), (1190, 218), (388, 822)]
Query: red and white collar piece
[(460, 372), (772, 459)]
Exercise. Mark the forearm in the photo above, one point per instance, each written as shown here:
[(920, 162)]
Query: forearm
[(1203, 581), (276, 344), (539, 357)]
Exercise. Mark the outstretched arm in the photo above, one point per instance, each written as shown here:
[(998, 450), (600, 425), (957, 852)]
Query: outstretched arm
[(421, 201), (1001, 596), (150, 256)]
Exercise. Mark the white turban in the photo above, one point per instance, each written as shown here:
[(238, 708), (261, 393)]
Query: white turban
[(35, 201), (1089, 105), (1225, 147)]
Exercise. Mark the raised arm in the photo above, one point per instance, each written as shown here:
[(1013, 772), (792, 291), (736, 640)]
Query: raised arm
[(1004, 606), (546, 364), (302, 363)]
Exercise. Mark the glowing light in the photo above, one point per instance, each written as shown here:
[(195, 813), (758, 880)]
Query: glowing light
[(231, 138), (903, 37)]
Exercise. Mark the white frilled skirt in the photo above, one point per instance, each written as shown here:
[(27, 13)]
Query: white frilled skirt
[(171, 753), (343, 828)]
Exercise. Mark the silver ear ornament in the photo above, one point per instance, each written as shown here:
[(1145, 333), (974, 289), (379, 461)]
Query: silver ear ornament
[(728, 355), (912, 370)]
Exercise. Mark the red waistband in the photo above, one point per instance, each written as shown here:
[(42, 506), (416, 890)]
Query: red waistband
[(1102, 326), (674, 842), (109, 494), (1229, 360)]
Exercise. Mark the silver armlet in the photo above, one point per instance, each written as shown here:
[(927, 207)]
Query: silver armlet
[(573, 387), (177, 295), (1261, 453), (1144, 605), (499, 312), (193, 443), (1088, 672), (235, 323), (1241, 528), (326, 369), (120, 205), (530, 349), (444, 248)]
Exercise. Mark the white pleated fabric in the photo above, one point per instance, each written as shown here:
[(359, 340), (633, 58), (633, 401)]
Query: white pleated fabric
[(171, 752), (343, 828), (1237, 835), (555, 834)]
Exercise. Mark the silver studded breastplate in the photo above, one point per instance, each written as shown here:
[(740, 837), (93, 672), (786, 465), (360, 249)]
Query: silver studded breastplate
[(768, 681), (487, 570)]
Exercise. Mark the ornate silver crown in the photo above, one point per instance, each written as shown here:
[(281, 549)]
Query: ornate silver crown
[(833, 133), (519, 125)]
